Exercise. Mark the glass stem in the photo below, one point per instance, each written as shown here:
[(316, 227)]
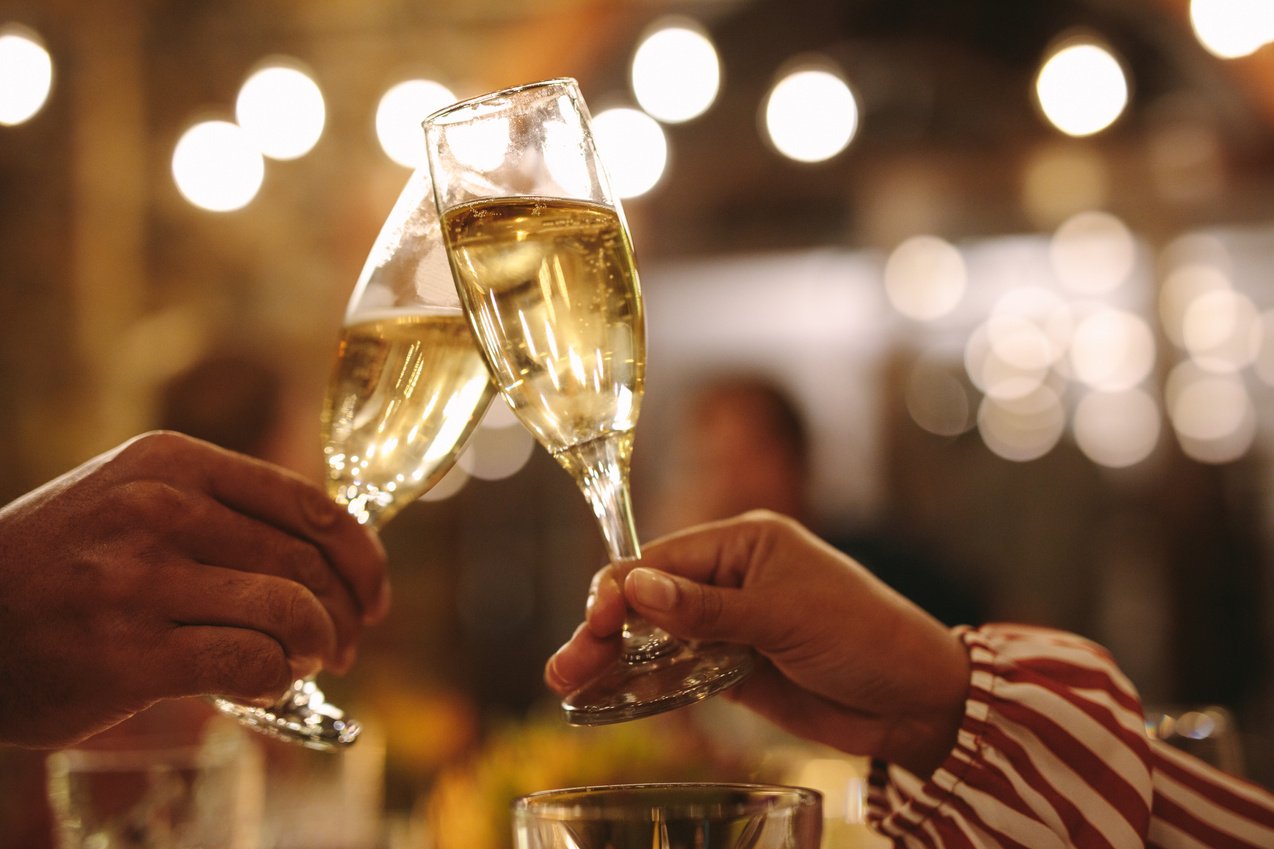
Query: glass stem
[(602, 474)]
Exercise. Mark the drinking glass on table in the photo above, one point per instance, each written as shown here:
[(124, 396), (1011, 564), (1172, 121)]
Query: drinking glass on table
[(669, 816), (406, 391), (544, 265)]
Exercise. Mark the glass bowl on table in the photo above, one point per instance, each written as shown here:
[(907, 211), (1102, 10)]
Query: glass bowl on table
[(669, 816)]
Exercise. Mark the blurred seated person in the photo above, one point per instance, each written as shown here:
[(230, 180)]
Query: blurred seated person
[(998, 736), (742, 444)]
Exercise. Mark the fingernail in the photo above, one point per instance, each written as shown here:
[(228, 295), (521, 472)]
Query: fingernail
[(552, 675), (653, 589)]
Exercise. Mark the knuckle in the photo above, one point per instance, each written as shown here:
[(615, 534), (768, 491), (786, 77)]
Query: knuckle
[(258, 669), (150, 503), (297, 614), (709, 608), (155, 448), (303, 564)]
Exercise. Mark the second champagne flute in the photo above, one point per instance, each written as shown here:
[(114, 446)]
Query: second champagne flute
[(406, 391), (542, 259)]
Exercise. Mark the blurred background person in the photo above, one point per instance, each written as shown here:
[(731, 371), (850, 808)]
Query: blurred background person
[(741, 443)]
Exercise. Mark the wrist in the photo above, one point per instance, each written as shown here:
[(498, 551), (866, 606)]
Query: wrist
[(920, 740)]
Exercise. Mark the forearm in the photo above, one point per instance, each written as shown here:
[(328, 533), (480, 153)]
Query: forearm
[(1052, 752)]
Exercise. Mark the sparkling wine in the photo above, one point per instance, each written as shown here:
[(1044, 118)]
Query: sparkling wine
[(551, 287), (405, 393)]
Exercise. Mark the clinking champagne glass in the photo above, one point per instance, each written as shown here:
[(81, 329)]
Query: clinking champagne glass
[(406, 391), (544, 265)]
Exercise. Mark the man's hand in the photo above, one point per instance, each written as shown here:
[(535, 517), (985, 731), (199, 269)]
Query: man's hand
[(843, 659), (168, 567)]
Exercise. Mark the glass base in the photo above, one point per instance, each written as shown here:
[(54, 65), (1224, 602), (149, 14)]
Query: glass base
[(634, 690), (303, 715)]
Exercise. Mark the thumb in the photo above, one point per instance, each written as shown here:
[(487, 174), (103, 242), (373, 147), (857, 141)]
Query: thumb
[(689, 609)]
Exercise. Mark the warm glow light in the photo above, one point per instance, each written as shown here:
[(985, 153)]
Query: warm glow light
[(282, 110), (634, 149), (1197, 249), (495, 453), (937, 399), (1082, 89), (676, 73), (1230, 29), (1044, 308), (26, 74), (925, 277), (451, 483), (811, 115), (1016, 373), (1221, 331), (1264, 365), (1212, 414), (1182, 288), (1112, 350), (1092, 253), (216, 166), (1117, 429), (1022, 429), (399, 115)]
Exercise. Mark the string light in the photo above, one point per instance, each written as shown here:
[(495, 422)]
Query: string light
[(399, 115), (216, 166), (1231, 29), (26, 74), (634, 148), (282, 109), (1081, 89), (676, 73), (811, 115)]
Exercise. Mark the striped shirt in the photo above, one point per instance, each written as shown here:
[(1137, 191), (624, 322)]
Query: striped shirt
[(1052, 752)]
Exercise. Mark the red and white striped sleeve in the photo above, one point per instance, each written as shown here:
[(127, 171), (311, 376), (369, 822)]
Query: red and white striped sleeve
[(1053, 752)]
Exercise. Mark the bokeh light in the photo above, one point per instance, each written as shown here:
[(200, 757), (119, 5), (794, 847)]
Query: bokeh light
[(26, 74), (1112, 349), (676, 72), (495, 453), (399, 115), (217, 167), (1004, 362), (1264, 364), (1230, 29), (1212, 414), (1117, 429), (1042, 307), (281, 108), (1222, 331), (1082, 89), (1022, 429), (925, 277), (1181, 288), (634, 149), (938, 399), (1092, 253), (452, 482), (811, 115)]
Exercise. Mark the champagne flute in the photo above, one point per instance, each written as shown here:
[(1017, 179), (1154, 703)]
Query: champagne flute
[(544, 265), (407, 389)]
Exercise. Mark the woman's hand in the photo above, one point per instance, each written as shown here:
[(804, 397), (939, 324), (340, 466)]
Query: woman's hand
[(843, 659)]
